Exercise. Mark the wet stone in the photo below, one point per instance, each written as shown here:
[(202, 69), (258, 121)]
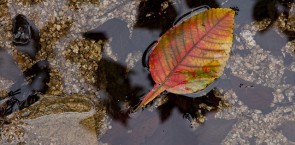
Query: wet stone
[(21, 30), (25, 36), (63, 114), (55, 105)]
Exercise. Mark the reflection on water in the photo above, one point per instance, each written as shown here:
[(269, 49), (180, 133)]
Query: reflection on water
[(255, 95), (272, 9)]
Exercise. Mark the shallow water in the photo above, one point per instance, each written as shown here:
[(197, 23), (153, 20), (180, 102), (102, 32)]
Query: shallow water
[(95, 51)]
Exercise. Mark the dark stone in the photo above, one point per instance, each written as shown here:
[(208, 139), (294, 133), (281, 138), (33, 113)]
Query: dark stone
[(25, 36)]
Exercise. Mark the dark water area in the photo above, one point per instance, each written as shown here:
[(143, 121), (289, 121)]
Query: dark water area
[(172, 122), (179, 119)]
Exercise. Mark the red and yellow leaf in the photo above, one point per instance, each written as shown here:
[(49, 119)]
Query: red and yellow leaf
[(192, 55)]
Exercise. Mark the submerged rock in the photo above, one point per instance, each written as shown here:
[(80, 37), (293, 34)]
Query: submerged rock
[(25, 36), (59, 120), (21, 30)]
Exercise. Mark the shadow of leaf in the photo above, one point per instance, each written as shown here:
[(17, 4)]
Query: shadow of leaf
[(191, 108), (272, 9), (160, 15), (117, 33), (156, 15), (115, 88), (113, 77), (210, 3)]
